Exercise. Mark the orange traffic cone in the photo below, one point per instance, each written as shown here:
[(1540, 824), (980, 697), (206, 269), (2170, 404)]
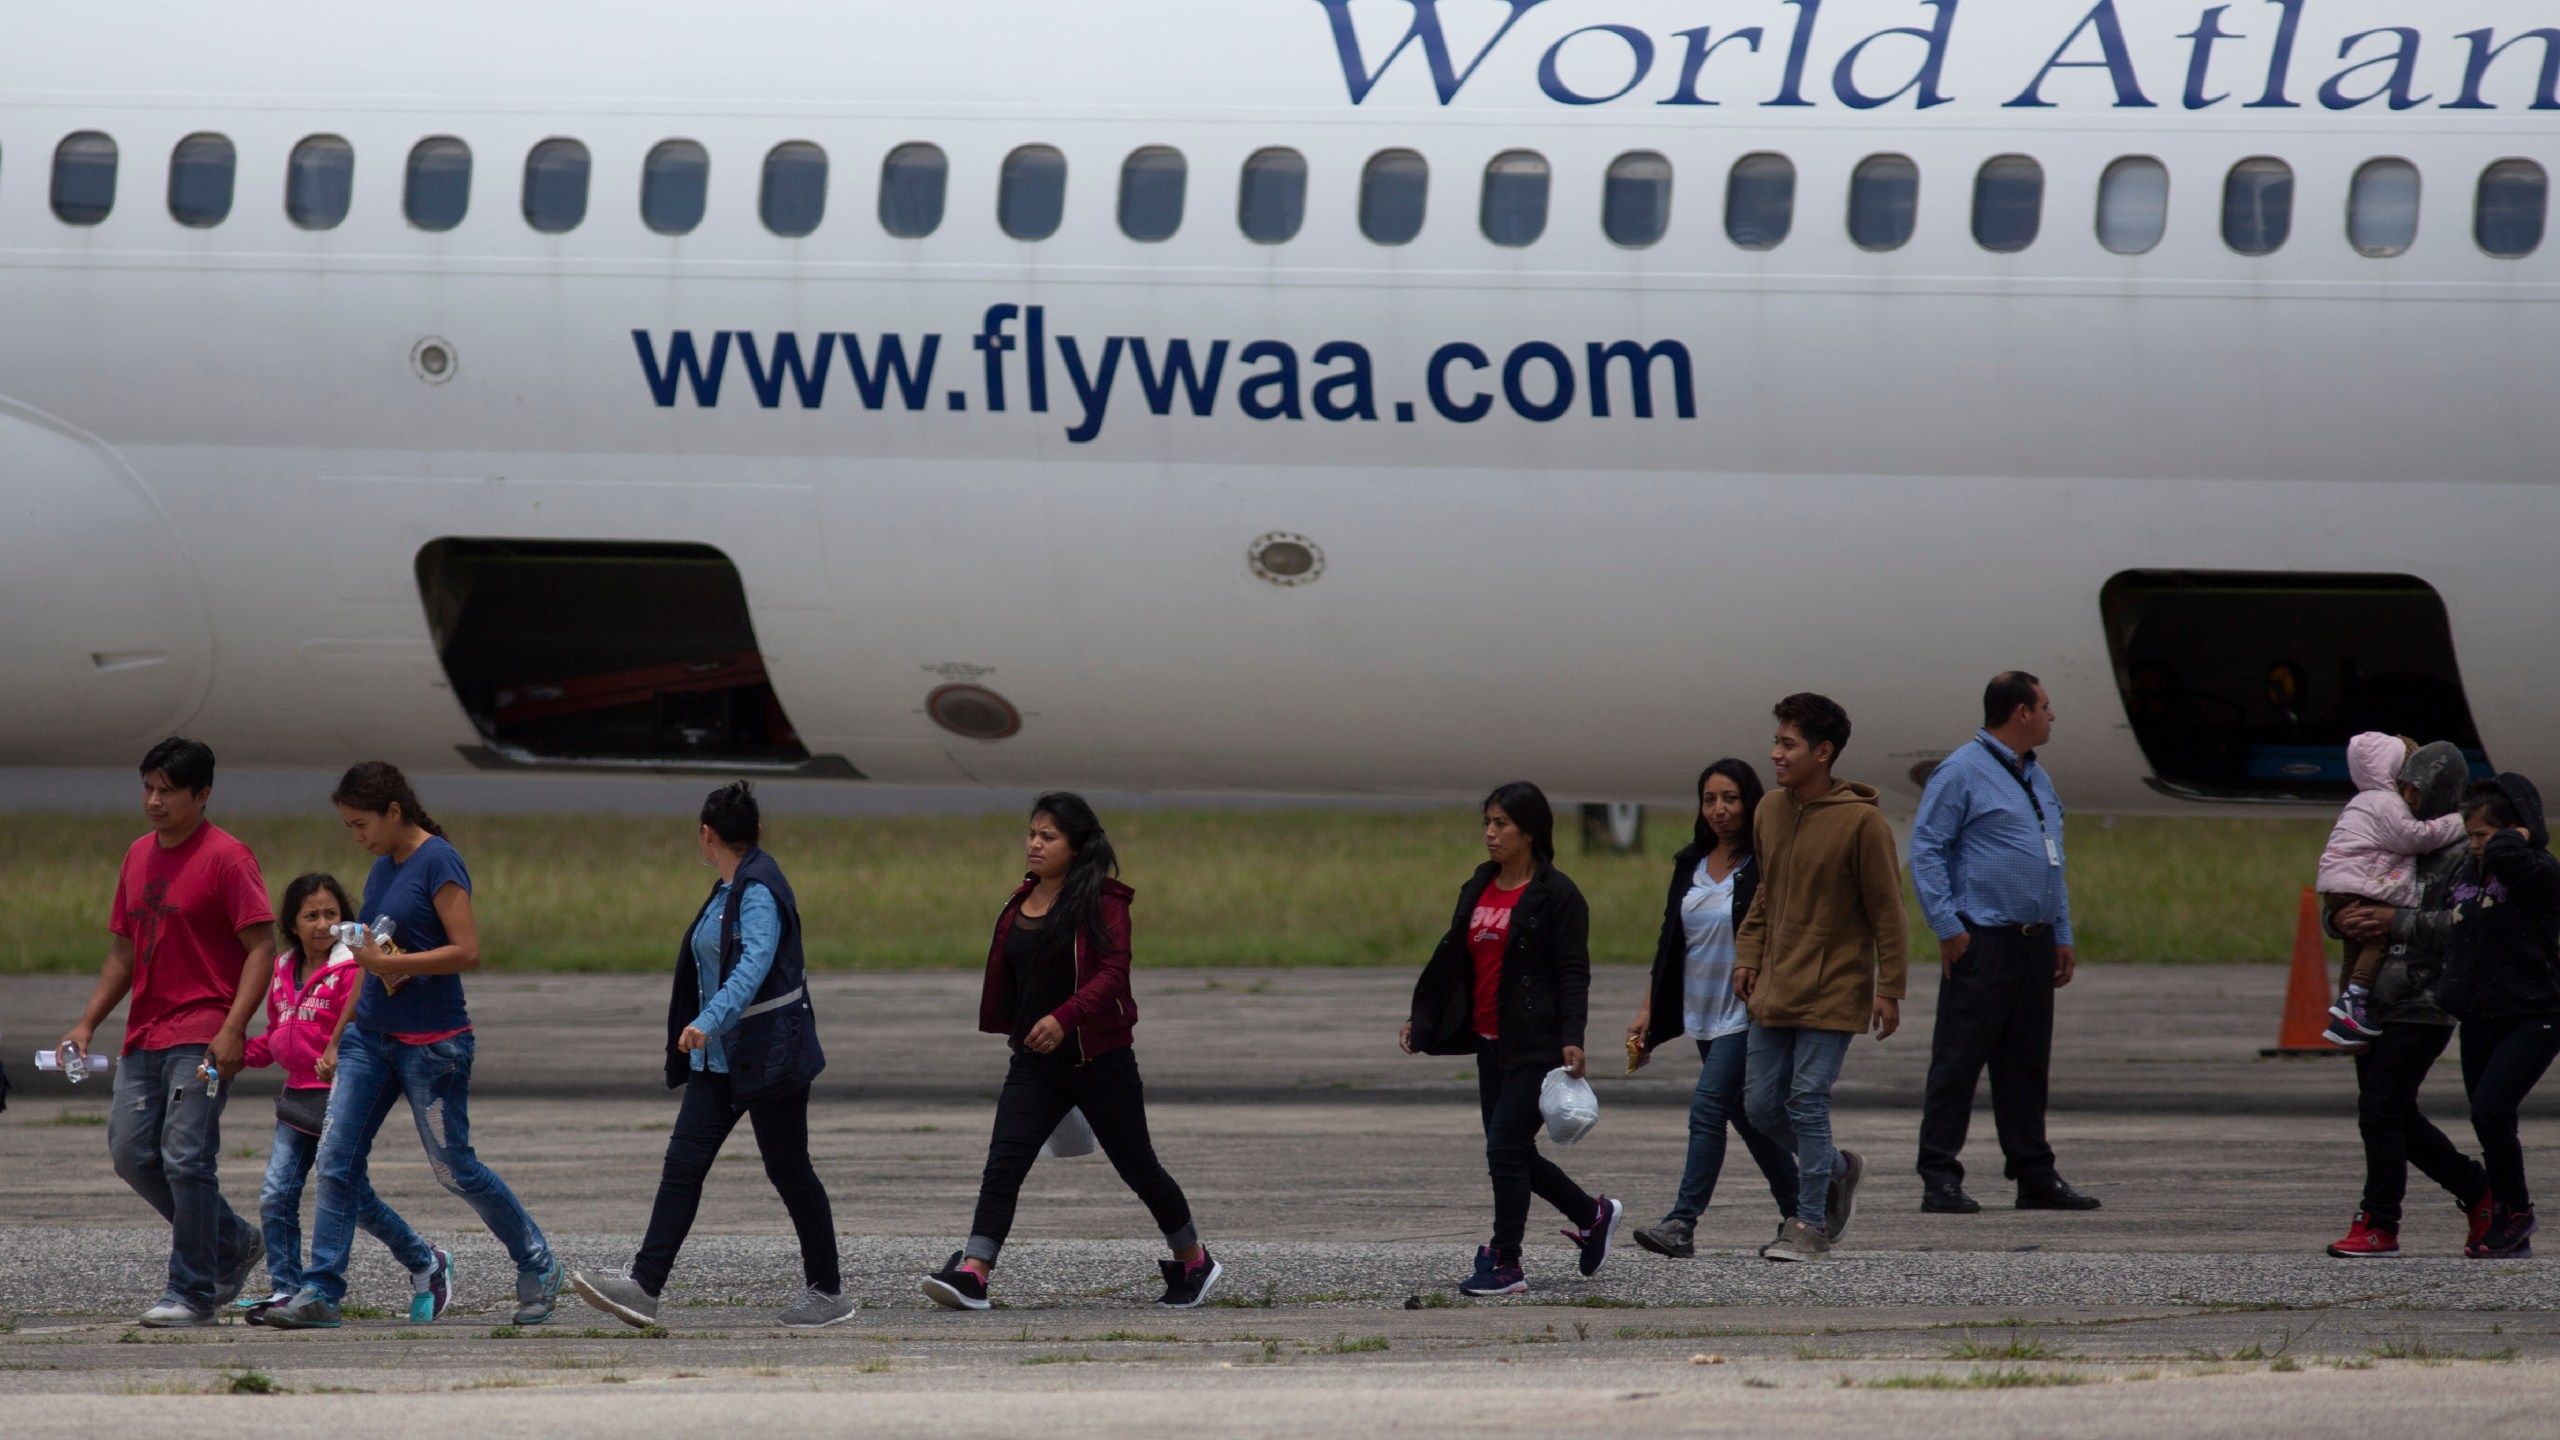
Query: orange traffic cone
[(2308, 992)]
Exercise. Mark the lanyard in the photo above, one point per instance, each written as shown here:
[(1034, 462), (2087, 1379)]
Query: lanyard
[(2019, 774)]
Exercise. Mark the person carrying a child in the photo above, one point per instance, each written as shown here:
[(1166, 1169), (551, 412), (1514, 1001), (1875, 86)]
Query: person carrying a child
[(309, 1002), (2373, 854)]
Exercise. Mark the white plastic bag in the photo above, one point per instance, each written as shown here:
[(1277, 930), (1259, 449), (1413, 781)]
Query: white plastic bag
[(1570, 1106), (1072, 1138)]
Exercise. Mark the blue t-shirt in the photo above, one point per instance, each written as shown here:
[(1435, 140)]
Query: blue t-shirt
[(406, 891)]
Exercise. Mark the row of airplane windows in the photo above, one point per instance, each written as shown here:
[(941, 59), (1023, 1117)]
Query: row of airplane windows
[(2510, 205)]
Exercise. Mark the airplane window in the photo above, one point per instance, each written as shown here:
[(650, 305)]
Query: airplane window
[(439, 190), (1635, 199), (2257, 206), (1514, 207), (912, 180), (1884, 202), (84, 178), (2008, 203), (1760, 201), (675, 185), (2382, 208), (319, 181), (2514, 203), (794, 199), (2133, 205), (1031, 194), (200, 175), (555, 186), (1271, 200), (1394, 188), (1151, 182)]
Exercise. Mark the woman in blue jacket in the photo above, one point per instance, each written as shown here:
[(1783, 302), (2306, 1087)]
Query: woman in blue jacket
[(749, 1049)]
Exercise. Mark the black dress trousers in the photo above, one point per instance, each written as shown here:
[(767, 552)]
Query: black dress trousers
[(1995, 1011)]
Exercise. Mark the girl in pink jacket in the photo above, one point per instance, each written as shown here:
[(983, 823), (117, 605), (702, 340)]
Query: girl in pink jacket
[(2372, 855), (314, 991)]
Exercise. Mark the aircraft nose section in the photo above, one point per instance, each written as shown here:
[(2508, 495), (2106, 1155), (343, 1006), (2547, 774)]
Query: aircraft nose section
[(104, 646)]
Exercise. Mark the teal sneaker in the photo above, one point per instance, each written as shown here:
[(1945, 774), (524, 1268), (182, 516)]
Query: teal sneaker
[(434, 1291), (307, 1310), (538, 1292)]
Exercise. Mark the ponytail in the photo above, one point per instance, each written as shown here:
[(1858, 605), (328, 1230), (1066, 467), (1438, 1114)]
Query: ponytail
[(375, 786)]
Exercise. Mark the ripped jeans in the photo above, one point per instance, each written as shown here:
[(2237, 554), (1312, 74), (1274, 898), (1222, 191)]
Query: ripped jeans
[(374, 1071)]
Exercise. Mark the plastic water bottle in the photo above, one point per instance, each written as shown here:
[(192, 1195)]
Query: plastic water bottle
[(75, 1064)]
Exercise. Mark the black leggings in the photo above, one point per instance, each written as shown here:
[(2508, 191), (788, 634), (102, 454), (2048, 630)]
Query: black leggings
[(2397, 1134), (1511, 1123), (782, 1134), (1038, 1092), (2501, 1060)]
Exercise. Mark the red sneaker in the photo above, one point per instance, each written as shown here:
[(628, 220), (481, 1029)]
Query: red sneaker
[(2365, 1241), (2478, 1212)]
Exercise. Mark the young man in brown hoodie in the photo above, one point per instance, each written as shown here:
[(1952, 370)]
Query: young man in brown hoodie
[(1819, 959)]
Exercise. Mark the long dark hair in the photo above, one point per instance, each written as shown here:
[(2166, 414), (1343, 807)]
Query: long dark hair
[(1527, 806), (1079, 907), (377, 785), (289, 910), (1702, 838)]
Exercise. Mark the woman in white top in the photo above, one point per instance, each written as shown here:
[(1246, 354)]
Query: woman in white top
[(1712, 882)]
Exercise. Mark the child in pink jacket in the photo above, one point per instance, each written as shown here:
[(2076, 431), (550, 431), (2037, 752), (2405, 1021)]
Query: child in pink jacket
[(314, 990), (2372, 855)]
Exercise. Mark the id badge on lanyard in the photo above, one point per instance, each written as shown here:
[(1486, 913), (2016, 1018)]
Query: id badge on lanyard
[(2052, 847)]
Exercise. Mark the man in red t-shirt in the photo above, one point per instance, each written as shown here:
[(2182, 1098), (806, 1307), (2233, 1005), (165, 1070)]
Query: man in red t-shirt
[(194, 941)]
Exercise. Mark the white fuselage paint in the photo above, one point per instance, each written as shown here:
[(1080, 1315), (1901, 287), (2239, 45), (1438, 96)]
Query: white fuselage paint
[(1905, 470)]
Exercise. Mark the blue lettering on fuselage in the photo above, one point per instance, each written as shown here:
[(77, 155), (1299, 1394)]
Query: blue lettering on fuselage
[(2091, 60), (1265, 380)]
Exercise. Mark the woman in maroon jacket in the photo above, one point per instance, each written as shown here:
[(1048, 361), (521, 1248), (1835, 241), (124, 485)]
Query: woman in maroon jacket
[(1058, 986)]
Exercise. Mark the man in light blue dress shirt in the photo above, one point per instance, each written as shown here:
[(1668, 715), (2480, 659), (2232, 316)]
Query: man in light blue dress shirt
[(1986, 857)]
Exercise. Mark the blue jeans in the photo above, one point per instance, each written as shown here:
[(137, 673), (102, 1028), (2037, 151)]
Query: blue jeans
[(1786, 1091), (166, 1136), (280, 1214), (1716, 1103), (374, 1071)]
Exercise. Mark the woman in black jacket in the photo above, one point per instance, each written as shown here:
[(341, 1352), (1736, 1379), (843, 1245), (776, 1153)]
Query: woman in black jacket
[(1511, 985), (1712, 882), (742, 1039), (2502, 981)]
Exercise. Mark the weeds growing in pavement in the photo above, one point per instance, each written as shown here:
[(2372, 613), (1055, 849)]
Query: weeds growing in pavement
[(2285, 1365), (2013, 1378), (252, 1382), (1081, 1357), (2012, 1349), (1269, 1297), (506, 1332), (363, 1312), (876, 1365), (1136, 1337), (1343, 1345)]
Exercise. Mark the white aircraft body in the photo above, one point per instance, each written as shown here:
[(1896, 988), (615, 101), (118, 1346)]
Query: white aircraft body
[(1280, 395)]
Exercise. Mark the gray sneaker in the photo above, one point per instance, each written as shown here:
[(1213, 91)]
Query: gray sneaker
[(307, 1310), (1798, 1241), (614, 1293), (1774, 1239), (538, 1292), (1843, 1194), (816, 1309), (1676, 1239), (175, 1314)]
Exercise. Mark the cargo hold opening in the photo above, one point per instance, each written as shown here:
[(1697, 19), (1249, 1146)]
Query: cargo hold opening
[(2247, 685), (597, 654)]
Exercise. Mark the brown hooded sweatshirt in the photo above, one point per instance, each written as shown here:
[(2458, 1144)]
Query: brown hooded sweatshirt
[(1826, 929)]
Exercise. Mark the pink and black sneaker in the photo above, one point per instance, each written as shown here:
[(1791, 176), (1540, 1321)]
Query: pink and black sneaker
[(1593, 1239), (1187, 1284)]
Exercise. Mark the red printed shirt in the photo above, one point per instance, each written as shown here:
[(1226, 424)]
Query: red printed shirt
[(183, 908), (1487, 934)]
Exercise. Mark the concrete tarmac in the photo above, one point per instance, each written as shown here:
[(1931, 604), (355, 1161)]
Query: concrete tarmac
[(1341, 1183)]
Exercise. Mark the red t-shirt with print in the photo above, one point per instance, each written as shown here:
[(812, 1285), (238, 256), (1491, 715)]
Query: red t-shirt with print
[(183, 906), (1487, 934)]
